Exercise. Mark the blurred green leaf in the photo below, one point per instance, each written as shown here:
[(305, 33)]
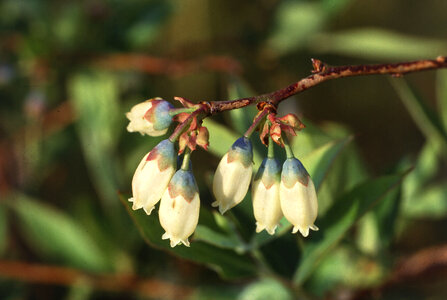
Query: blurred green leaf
[(146, 28), (212, 237), (265, 289), (318, 164), (430, 202), (425, 168), (95, 98), (339, 219), (56, 235), (373, 43), (441, 89), (377, 228), (221, 139), (227, 263), (241, 119), (297, 21), (345, 266), (427, 121)]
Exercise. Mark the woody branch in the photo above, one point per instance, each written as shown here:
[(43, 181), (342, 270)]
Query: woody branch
[(322, 73)]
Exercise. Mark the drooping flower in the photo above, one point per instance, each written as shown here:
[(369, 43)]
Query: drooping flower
[(233, 175), (179, 208), (298, 197), (265, 196), (150, 117), (153, 175)]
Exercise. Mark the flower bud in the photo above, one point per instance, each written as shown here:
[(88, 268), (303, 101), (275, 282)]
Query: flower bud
[(150, 117), (233, 175), (265, 196), (152, 176), (179, 208), (298, 197)]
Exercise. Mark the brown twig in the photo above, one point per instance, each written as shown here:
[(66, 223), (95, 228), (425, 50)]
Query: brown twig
[(322, 73), (44, 274)]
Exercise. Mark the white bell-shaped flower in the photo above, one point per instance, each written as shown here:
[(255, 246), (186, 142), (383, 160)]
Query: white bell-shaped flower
[(298, 197), (233, 175), (265, 196), (150, 117), (153, 175), (179, 208)]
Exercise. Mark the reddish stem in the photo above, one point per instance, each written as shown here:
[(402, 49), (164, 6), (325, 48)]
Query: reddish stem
[(323, 73)]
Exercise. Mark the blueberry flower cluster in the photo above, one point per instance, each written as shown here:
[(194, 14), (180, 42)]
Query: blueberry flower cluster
[(277, 190)]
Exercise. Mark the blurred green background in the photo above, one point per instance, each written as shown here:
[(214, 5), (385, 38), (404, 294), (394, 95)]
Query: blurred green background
[(376, 148)]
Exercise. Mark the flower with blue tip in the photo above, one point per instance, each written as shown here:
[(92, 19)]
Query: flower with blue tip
[(298, 197), (265, 195), (153, 175), (150, 117), (180, 206), (233, 175)]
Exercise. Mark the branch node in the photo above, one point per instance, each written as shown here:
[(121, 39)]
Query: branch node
[(318, 66)]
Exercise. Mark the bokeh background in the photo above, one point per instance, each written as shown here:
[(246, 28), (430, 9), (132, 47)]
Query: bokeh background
[(376, 147)]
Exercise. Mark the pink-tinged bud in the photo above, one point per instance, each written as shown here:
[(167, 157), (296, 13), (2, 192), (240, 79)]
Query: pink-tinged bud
[(265, 196), (150, 117), (298, 197), (153, 175), (179, 208), (233, 175)]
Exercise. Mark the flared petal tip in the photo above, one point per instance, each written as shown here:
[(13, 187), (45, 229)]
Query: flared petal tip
[(131, 199), (261, 227), (304, 230), (148, 209), (222, 209), (175, 241), (135, 204)]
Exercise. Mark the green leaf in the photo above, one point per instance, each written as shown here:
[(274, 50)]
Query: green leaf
[(427, 121), (339, 219), (227, 263), (430, 202), (221, 240), (377, 228), (241, 119), (374, 43), (441, 89), (358, 271), (95, 98), (56, 235), (297, 21), (265, 289), (221, 139), (318, 164)]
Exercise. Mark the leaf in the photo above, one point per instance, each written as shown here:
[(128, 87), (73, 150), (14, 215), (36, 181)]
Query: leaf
[(318, 164), (374, 43), (146, 28), (227, 263), (441, 89), (339, 219), (265, 289), (297, 21), (56, 235), (241, 119), (212, 237), (430, 202), (221, 139), (427, 121), (95, 98)]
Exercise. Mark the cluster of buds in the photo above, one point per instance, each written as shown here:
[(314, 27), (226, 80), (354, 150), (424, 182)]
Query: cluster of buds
[(276, 191)]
